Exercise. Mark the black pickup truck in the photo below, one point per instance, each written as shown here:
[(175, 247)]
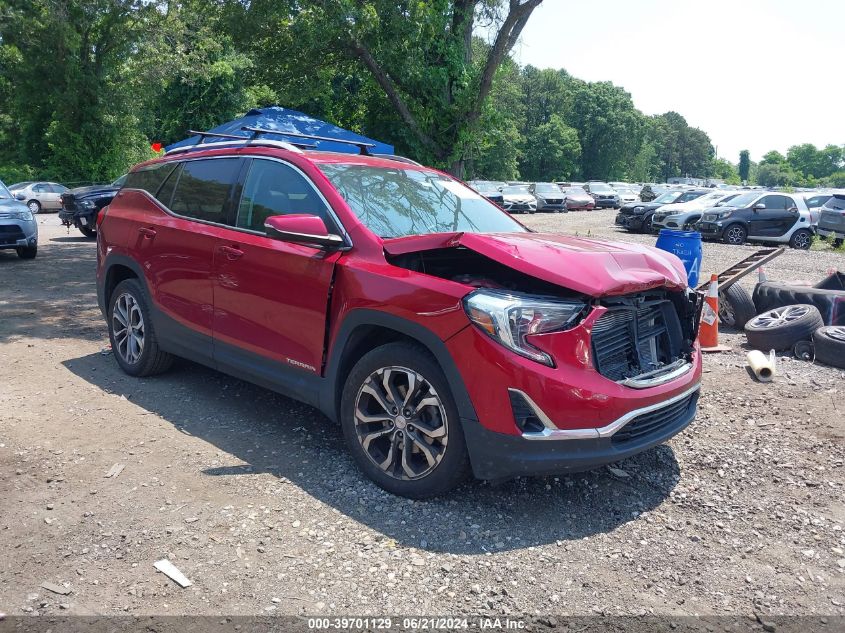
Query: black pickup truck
[(80, 206)]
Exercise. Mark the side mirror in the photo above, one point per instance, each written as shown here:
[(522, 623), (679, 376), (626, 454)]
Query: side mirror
[(302, 228), (20, 195), (759, 206)]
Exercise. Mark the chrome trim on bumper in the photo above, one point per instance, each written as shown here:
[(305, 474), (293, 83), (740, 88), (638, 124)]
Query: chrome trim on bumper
[(551, 432), (658, 376)]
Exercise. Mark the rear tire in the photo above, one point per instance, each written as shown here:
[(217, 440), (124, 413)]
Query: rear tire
[(34, 207), (27, 252), (736, 307), (801, 239), (87, 231), (415, 448), (781, 328), (829, 344), (133, 338)]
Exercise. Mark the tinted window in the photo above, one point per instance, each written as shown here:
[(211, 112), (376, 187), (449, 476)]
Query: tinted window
[(837, 203), (777, 203), (273, 188), (149, 178), (203, 188), (393, 201), (165, 193), (817, 201)]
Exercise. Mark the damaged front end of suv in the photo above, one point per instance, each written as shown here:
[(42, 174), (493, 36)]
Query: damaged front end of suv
[(579, 352)]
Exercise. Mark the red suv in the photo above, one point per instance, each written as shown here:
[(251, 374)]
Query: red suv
[(443, 336)]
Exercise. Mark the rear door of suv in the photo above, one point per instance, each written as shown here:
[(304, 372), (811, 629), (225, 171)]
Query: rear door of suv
[(271, 296), (175, 245)]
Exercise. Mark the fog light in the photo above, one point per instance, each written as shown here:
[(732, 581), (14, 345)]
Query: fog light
[(524, 416)]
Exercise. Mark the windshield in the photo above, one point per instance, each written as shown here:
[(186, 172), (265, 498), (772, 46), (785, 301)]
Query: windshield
[(743, 200), (515, 189), (726, 201), (119, 182), (19, 185), (668, 198), (576, 191), (543, 187), (4, 193), (487, 187), (397, 202), (599, 187), (690, 195)]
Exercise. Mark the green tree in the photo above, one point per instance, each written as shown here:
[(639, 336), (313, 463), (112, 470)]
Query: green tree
[(744, 166), (553, 152), (609, 128), (418, 54), (725, 170)]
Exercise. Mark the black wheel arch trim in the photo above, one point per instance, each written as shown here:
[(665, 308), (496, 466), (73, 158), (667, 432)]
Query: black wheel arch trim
[(112, 260), (365, 317)]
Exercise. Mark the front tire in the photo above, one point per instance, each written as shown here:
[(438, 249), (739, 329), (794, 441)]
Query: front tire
[(133, 339), (27, 252), (735, 234), (87, 231), (401, 424)]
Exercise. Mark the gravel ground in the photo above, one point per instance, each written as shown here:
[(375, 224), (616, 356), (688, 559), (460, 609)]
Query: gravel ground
[(255, 499)]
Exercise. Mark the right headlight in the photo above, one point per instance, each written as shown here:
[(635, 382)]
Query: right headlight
[(25, 215), (510, 318)]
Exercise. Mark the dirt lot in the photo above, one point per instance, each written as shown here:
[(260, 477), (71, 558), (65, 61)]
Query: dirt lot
[(254, 498)]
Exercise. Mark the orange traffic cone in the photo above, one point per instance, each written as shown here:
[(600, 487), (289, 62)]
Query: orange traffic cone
[(708, 334)]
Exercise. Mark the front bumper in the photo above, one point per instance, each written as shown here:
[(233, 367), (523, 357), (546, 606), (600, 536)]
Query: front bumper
[(585, 416), (606, 203), (18, 233), (497, 456), (630, 222), (519, 207), (545, 205), (710, 230), (574, 205)]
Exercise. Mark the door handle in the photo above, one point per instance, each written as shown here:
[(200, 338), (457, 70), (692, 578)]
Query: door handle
[(231, 252), (147, 233)]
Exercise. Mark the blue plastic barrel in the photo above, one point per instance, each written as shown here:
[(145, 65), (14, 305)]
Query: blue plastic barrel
[(687, 246)]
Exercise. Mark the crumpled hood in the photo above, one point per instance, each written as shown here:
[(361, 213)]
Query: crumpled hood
[(592, 267)]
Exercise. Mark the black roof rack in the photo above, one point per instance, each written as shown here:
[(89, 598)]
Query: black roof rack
[(361, 145), (204, 135)]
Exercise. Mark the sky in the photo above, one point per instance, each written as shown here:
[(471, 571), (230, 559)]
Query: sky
[(753, 74)]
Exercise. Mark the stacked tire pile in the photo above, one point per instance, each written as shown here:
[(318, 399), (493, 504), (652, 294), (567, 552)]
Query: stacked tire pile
[(788, 317)]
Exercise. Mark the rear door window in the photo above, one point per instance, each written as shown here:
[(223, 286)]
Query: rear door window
[(204, 189), (274, 188)]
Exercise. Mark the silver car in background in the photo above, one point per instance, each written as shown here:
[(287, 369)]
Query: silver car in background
[(18, 229), (39, 196), (517, 199)]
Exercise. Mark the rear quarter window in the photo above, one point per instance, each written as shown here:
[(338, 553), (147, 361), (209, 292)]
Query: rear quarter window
[(149, 178)]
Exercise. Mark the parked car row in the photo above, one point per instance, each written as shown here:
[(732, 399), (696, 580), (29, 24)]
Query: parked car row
[(739, 216)]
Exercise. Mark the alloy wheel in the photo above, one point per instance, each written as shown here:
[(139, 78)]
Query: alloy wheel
[(779, 316), (401, 423), (736, 235), (128, 328), (801, 240), (726, 312)]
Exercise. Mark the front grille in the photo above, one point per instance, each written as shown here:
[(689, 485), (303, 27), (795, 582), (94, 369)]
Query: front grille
[(651, 424), (635, 337), (68, 201), (553, 201), (10, 234)]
